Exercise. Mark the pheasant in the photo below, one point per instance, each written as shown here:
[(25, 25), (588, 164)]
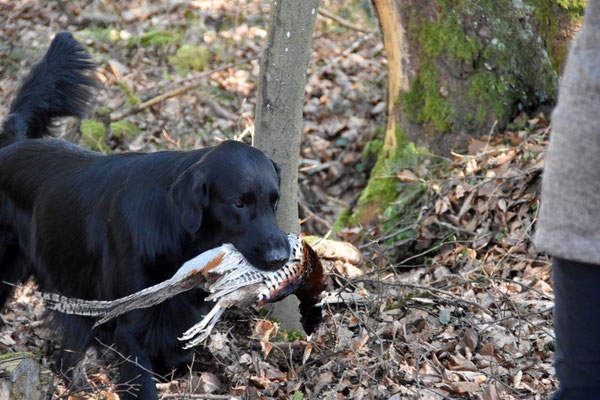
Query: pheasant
[(231, 281)]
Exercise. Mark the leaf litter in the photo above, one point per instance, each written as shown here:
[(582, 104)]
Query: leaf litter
[(463, 311)]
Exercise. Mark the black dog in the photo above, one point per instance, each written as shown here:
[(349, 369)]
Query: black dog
[(101, 227)]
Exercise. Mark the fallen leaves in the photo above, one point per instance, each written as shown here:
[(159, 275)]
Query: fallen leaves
[(378, 342)]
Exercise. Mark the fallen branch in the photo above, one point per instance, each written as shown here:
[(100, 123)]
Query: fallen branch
[(428, 289), (328, 14), (117, 116)]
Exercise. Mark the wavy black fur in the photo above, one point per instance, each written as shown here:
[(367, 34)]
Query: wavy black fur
[(60, 85)]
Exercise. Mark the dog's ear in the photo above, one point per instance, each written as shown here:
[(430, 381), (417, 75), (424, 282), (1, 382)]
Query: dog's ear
[(189, 193), (277, 167)]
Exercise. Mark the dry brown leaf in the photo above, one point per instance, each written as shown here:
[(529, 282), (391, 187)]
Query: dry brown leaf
[(502, 158), (407, 176), (263, 330), (465, 387), (442, 205), (337, 250), (307, 352), (476, 146), (261, 382), (487, 349), (517, 380), (491, 393), (466, 206), (472, 167), (275, 375), (210, 382), (358, 343), (460, 363)]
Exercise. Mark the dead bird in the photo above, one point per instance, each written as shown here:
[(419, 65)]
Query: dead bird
[(231, 281)]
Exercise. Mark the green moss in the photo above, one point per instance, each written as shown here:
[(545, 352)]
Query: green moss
[(549, 25), (372, 148), (191, 57), (383, 186), (291, 335), (424, 103), (447, 36), (574, 6), (501, 78), (298, 395), (159, 37), (8, 356), (132, 99), (105, 35), (310, 239), (490, 92), (124, 128), (343, 219), (104, 111), (93, 134)]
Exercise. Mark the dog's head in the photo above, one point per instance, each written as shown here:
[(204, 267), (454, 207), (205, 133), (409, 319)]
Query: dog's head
[(231, 195)]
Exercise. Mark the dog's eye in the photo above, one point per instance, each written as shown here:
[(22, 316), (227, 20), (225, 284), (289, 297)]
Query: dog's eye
[(274, 201), (239, 204)]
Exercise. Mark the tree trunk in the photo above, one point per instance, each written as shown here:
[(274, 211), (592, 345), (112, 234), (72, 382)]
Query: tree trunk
[(471, 65), (460, 69), (280, 96), (280, 100)]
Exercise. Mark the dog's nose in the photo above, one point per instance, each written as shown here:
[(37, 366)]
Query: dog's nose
[(276, 258)]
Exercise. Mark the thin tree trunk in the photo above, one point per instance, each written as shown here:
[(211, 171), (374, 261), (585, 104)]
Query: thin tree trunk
[(279, 105), (280, 97)]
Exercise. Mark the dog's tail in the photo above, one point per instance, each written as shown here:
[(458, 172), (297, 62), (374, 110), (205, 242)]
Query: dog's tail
[(60, 85)]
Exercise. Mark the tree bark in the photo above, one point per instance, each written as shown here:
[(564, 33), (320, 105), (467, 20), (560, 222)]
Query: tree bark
[(280, 98), (395, 44), (460, 68), (22, 377), (278, 121)]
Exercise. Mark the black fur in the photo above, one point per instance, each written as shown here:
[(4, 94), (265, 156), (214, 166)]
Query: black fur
[(101, 227)]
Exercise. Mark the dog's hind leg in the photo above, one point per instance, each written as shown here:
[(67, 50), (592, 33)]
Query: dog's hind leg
[(14, 267), (77, 336), (136, 379)]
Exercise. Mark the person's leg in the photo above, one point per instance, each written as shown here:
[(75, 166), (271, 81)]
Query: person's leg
[(577, 327)]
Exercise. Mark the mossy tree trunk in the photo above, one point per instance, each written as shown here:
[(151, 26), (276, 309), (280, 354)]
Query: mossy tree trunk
[(472, 64), (280, 99), (459, 68)]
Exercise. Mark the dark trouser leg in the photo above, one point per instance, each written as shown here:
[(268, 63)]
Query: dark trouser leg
[(577, 327)]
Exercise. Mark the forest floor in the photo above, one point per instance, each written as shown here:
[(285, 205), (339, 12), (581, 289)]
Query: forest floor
[(451, 303)]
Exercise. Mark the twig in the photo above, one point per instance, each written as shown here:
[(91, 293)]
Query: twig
[(314, 216), (512, 281), (328, 14), (349, 50), (429, 289), (453, 227), (170, 139), (196, 396), (117, 116)]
